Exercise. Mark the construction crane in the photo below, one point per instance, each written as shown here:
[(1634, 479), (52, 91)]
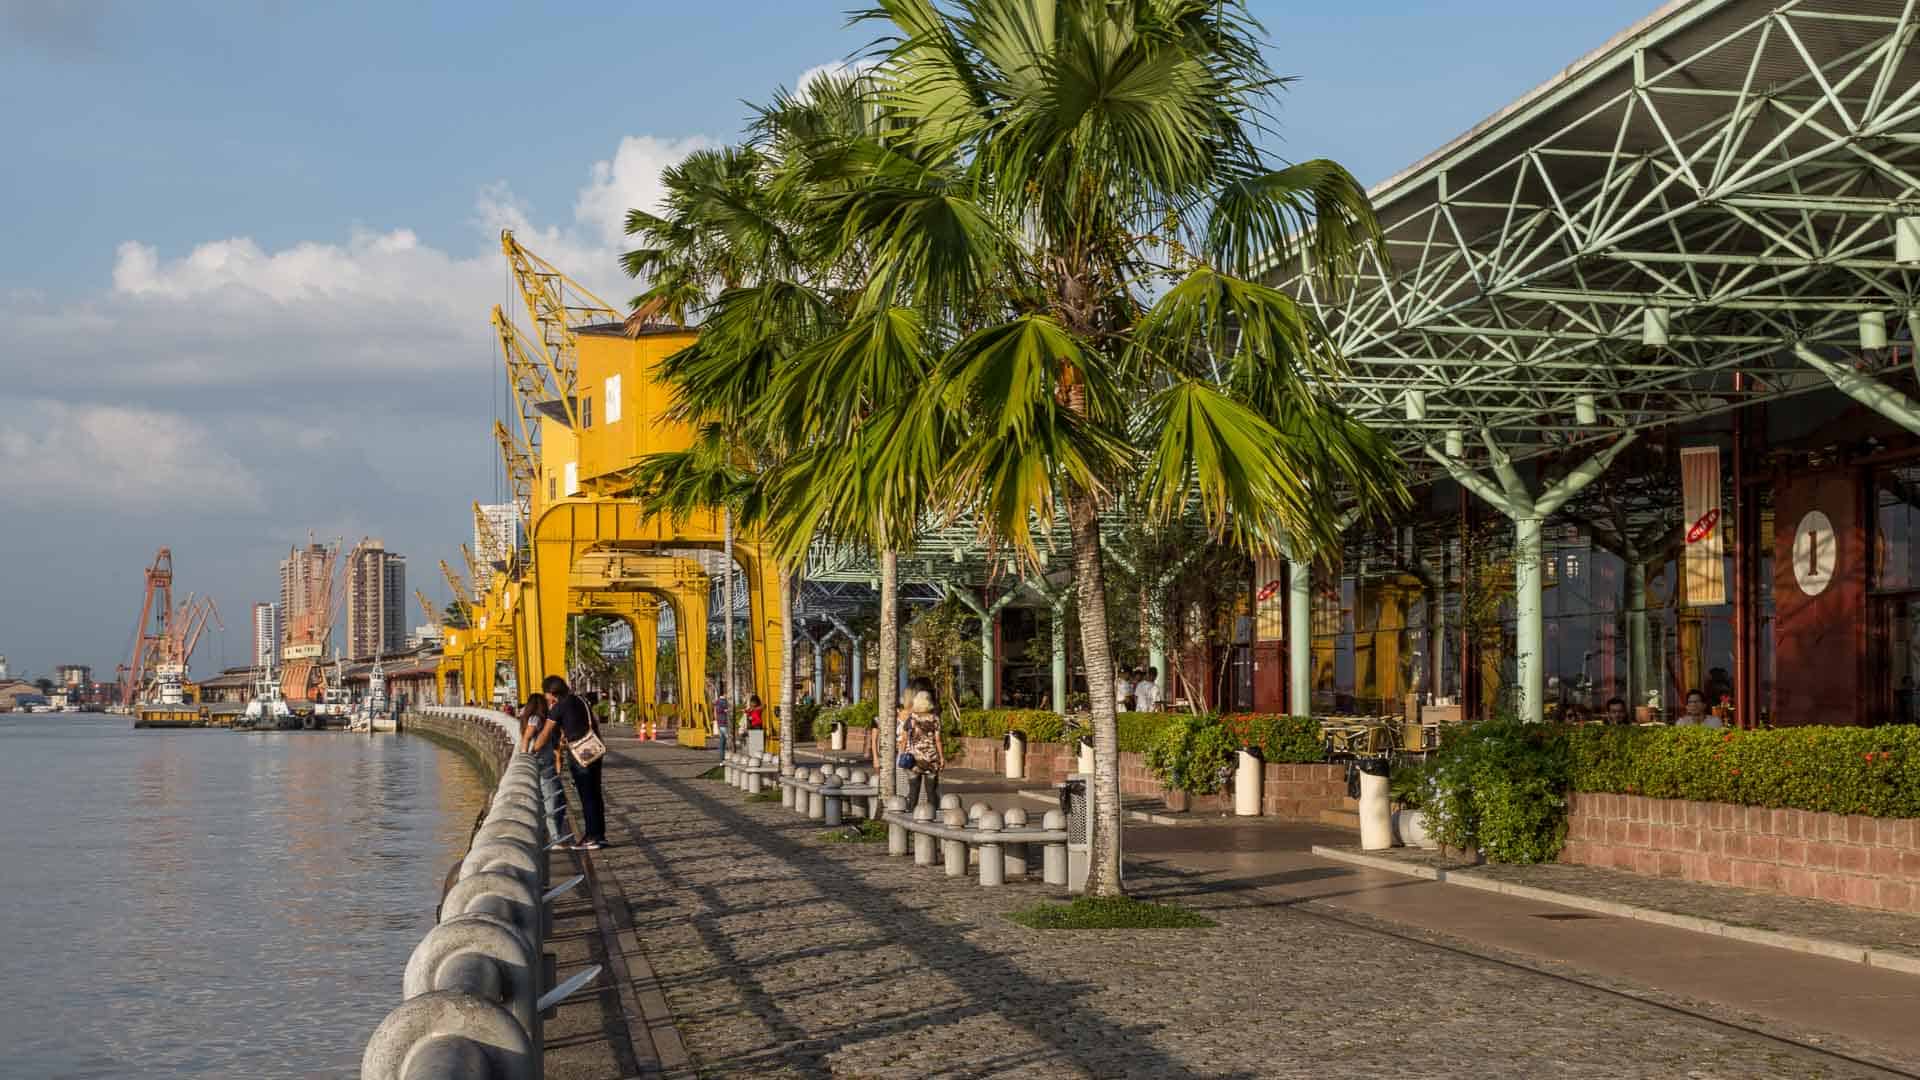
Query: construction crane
[(557, 304), (496, 552), (473, 574), (527, 377), (148, 639), (426, 608), (460, 593), (309, 633), (188, 623), (516, 457)]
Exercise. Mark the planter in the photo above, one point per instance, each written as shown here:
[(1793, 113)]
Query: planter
[(1178, 801), (1410, 830)]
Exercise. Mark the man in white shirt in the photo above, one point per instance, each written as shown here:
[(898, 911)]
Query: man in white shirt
[(1146, 692), (1122, 690)]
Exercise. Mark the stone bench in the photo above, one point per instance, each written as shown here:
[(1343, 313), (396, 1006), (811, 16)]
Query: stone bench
[(998, 842), (749, 771)]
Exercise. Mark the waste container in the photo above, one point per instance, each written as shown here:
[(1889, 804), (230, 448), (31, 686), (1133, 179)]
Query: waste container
[(1076, 806), (1248, 776), (1086, 756), (1016, 742), (839, 735), (1376, 817)]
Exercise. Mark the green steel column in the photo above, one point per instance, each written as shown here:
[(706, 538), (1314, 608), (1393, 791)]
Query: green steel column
[(1639, 664)]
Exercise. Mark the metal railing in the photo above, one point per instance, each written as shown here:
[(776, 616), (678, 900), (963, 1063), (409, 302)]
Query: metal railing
[(475, 991)]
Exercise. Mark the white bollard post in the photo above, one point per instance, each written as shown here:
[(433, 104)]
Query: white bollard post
[(955, 851), (992, 870), (816, 804), (896, 832), (922, 843), (786, 789), (1053, 856), (1014, 855), (1247, 782), (830, 799)]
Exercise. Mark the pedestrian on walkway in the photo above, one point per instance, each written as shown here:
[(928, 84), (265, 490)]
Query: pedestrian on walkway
[(921, 740), (540, 737), (576, 725), (756, 713), (722, 720)]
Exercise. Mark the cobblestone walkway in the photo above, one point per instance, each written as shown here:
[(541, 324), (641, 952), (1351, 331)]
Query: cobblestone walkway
[(783, 955)]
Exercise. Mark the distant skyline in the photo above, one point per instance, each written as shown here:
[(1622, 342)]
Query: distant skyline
[(252, 247)]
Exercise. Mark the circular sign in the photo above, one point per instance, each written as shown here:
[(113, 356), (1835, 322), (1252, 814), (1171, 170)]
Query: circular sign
[(1704, 527), (1814, 553)]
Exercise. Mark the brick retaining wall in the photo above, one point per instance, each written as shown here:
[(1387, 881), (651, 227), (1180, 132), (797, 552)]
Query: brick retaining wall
[(1289, 792), (1845, 858)]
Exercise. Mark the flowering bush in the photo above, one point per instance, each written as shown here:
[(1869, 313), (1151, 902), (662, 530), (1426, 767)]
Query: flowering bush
[(1192, 754), (1839, 770), (1279, 739)]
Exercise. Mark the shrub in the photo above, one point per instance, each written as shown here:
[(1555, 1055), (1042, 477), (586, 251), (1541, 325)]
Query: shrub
[(1192, 754), (1109, 913), (858, 714), (1137, 730), (1499, 787), (1287, 740), (1839, 770), (1039, 725), (805, 716)]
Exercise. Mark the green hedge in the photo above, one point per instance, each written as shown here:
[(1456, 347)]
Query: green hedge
[(1040, 725), (858, 714), (1839, 770), (1281, 740)]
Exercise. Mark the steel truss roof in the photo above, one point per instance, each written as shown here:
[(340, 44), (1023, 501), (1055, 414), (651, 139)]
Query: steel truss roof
[(1740, 165)]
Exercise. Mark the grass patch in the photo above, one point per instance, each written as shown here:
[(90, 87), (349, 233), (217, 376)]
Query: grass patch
[(1109, 913), (771, 794), (718, 772), (860, 832)]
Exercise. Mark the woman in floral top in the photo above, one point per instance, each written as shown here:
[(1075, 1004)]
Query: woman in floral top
[(922, 740)]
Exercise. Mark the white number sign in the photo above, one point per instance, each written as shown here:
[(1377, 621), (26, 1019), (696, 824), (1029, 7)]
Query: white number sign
[(1814, 553)]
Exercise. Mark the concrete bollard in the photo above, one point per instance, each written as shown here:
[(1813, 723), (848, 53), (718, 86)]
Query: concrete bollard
[(1053, 856), (816, 803), (787, 772), (1014, 856), (896, 832), (483, 956), (753, 783), (954, 851), (922, 843), (447, 1034), (993, 871), (830, 801)]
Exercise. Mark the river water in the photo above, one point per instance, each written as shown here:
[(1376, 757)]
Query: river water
[(213, 903)]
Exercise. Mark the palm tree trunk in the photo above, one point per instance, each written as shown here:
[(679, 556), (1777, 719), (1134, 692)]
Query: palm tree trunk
[(726, 605), (889, 687), (1103, 872), (786, 668)]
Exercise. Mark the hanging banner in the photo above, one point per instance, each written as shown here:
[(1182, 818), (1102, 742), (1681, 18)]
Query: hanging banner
[(1269, 599), (1703, 565)]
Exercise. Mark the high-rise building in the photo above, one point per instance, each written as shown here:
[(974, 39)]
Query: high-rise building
[(503, 521), (376, 600), (266, 635), (73, 675), (302, 580)]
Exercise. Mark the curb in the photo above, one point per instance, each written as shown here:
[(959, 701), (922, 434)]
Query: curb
[(1833, 950)]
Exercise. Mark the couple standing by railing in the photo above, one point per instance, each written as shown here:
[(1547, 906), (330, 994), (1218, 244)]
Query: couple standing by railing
[(556, 726)]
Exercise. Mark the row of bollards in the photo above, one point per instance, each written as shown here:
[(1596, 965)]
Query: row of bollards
[(999, 843), (472, 996)]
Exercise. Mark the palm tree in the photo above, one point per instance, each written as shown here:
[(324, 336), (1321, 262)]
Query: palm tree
[(1093, 252)]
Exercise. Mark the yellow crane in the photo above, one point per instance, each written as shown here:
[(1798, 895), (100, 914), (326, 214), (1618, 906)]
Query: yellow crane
[(427, 609), (495, 550), (556, 303), (473, 574), (460, 593)]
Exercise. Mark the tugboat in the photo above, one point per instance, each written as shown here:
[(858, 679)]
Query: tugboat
[(268, 710), (165, 704)]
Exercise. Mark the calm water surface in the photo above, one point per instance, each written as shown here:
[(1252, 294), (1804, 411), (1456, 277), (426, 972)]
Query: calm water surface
[(212, 903)]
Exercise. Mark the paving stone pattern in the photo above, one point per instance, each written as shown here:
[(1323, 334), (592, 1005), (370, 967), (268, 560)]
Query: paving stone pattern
[(782, 955)]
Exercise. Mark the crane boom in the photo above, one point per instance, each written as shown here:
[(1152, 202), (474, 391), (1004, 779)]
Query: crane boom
[(556, 303), (427, 609), (460, 592), (526, 377), (473, 572), (517, 459)]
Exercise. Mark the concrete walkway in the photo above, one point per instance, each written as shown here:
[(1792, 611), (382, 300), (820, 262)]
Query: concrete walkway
[(777, 953)]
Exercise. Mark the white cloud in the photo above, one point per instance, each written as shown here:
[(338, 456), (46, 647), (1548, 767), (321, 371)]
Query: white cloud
[(113, 458), (839, 68), (631, 179)]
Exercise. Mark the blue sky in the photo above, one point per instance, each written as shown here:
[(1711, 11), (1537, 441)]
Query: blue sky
[(251, 245)]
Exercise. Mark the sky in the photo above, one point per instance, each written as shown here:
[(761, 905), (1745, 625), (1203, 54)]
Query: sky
[(250, 247)]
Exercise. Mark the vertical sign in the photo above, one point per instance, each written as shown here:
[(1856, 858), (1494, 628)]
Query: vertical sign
[(1269, 599), (1704, 564)]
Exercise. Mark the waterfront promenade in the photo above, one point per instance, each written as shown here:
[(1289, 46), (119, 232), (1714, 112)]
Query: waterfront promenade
[(744, 944)]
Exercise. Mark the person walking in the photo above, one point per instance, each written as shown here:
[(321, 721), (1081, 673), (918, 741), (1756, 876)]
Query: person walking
[(722, 720), (1122, 691), (921, 742), (1146, 692), (540, 737), (576, 725)]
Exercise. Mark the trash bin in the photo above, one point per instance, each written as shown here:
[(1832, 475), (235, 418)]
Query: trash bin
[(839, 735), (1076, 806), (1086, 756), (1376, 817), (1247, 780), (1016, 743)]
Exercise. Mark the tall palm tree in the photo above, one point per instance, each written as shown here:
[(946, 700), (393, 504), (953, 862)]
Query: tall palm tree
[(1094, 252)]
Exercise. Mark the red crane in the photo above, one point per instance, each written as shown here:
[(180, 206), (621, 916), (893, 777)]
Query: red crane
[(149, 640)]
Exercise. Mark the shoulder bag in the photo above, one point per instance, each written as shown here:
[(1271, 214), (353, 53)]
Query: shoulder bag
[(587, 749)]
